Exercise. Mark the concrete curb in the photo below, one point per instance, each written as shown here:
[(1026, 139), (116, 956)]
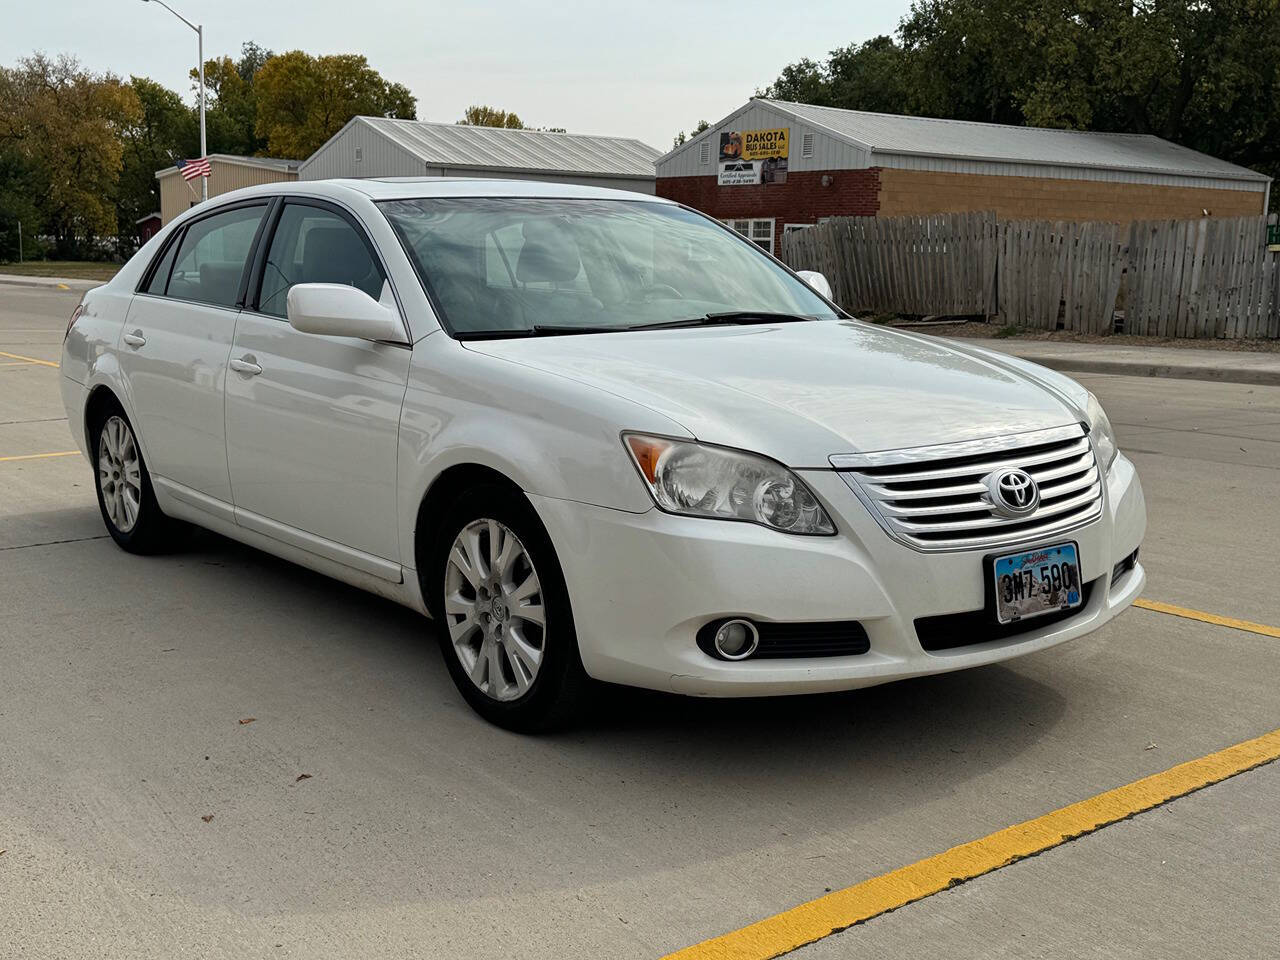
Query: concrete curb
[(1185, 363), (50, 283), (1128, 368)]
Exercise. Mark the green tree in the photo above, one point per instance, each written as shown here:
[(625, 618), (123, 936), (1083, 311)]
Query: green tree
[(303, 100), (19, 184), (61, 128), (804, 81), (231, 104), (681, 137), (1204, 74), (481, 115), (165, 130), (873, 75)]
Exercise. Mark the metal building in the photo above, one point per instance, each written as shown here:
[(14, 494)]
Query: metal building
[(227, 172), (381, 147), (772, 165)]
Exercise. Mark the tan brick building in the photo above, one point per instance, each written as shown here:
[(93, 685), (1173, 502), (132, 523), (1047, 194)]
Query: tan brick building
[(227, 173), (774, 166)]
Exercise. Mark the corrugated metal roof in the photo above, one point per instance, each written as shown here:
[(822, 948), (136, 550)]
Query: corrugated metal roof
[(458, 145), (885, 133)]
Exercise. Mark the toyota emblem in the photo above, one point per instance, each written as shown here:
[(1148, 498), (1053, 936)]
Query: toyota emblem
[(1013, 493)]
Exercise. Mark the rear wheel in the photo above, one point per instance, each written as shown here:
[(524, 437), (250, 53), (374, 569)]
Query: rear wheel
[(125, 496), (505, 625)]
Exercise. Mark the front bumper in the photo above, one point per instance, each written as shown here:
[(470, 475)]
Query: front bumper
[(642, 584)]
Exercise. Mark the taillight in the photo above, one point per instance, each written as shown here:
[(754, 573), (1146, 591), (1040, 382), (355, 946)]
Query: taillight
[(75, 315)]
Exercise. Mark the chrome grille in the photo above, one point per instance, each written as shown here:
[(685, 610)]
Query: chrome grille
[(935, 498)]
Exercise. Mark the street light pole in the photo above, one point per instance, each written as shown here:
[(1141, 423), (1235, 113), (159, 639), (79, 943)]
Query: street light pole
[(199, 29)]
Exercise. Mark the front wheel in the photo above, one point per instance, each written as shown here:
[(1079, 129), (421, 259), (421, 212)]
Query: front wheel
[(505, 624)]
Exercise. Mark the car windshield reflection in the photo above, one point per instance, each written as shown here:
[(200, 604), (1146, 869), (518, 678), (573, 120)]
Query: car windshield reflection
[(519, 267)]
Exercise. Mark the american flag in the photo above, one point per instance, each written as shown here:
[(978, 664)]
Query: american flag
[(194, 168)]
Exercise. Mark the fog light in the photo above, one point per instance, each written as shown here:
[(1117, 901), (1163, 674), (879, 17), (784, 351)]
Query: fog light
[(736, 639)]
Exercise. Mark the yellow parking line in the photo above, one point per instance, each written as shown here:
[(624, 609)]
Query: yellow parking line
[(16, 363), (820, 918), (1232, 622), (16, 356), (40, 456)]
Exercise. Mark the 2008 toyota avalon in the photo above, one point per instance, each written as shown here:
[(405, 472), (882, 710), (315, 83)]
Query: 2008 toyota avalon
[(597, 437)]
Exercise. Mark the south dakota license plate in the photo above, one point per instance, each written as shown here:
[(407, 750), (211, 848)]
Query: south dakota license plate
[(1037, 582)]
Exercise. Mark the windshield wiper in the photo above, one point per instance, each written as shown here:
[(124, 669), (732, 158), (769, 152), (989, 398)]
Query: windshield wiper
[(538, 330), (564, 330), (728, 317)]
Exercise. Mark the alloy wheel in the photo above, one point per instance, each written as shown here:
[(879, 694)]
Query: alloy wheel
[(119, 473), (494, 609)]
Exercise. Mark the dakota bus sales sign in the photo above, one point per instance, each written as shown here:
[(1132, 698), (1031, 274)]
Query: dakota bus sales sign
[(753, 156)]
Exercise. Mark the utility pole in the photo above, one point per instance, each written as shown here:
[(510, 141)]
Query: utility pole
[(19, 241), (199, 29)]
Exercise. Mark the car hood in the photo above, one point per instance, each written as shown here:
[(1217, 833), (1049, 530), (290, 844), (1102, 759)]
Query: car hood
[(801, 392)]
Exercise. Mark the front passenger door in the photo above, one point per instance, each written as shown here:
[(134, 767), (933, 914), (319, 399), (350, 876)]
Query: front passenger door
[(313, 421)]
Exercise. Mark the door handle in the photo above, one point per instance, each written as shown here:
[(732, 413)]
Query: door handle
[(246, 365), (135, 339)]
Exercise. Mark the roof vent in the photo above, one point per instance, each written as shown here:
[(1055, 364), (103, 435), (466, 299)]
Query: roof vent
[(806, 145), (704, 151)]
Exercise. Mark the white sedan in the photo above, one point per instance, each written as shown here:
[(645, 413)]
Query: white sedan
[(595, 436)]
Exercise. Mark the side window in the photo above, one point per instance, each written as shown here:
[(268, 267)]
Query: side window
[(315, 245), (160, 279), (211, 258)]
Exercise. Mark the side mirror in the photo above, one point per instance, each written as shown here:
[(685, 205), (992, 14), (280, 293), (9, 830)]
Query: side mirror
[(816, 280), (336, 310)]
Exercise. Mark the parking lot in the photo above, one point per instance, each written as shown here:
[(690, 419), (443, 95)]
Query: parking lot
[(213, 753)]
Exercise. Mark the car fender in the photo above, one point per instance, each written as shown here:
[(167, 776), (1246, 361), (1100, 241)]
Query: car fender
[(551, 436), (89, 357)]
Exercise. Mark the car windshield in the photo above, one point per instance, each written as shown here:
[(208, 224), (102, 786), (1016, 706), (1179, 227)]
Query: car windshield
[(516, 266)]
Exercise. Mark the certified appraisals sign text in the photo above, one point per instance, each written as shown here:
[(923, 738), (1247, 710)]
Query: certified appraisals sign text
[(753, 156)]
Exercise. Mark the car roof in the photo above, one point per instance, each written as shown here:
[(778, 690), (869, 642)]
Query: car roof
[(409, 188)]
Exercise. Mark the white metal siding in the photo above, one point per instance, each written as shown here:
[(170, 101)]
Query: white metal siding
[(829, 153), (379, 156), (383, 155), (852, 140)]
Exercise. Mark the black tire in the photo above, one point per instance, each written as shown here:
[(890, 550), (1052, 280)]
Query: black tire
[(151, 531), (561, 685)]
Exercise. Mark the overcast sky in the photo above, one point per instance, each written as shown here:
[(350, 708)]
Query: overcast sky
[(644, 69)]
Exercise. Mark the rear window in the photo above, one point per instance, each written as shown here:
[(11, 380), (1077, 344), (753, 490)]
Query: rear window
[(211, 258)]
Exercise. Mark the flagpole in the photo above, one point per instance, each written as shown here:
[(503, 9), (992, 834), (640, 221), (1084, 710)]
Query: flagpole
[(199, 29), (204, 180)]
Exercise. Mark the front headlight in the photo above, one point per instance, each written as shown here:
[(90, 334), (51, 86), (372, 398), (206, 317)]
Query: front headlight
[(1100, 432), (704, 481)]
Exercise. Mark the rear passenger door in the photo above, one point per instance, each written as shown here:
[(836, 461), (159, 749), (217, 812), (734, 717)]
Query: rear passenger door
[(313, 421), (174, 348)]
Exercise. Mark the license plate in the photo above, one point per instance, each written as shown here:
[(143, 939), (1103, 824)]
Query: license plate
[(1036, 582)]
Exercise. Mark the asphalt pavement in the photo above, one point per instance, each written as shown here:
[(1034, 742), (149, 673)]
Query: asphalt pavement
[(213, 753)]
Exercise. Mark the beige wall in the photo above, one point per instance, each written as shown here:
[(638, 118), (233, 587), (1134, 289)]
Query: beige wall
[(1032, 198), (177, 195)]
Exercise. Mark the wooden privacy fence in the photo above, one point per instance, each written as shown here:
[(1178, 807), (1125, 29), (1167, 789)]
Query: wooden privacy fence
[(939, 264), (1211, 277)]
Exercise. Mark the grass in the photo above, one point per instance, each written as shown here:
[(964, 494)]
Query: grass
[(1008, 330), (76, 269)]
